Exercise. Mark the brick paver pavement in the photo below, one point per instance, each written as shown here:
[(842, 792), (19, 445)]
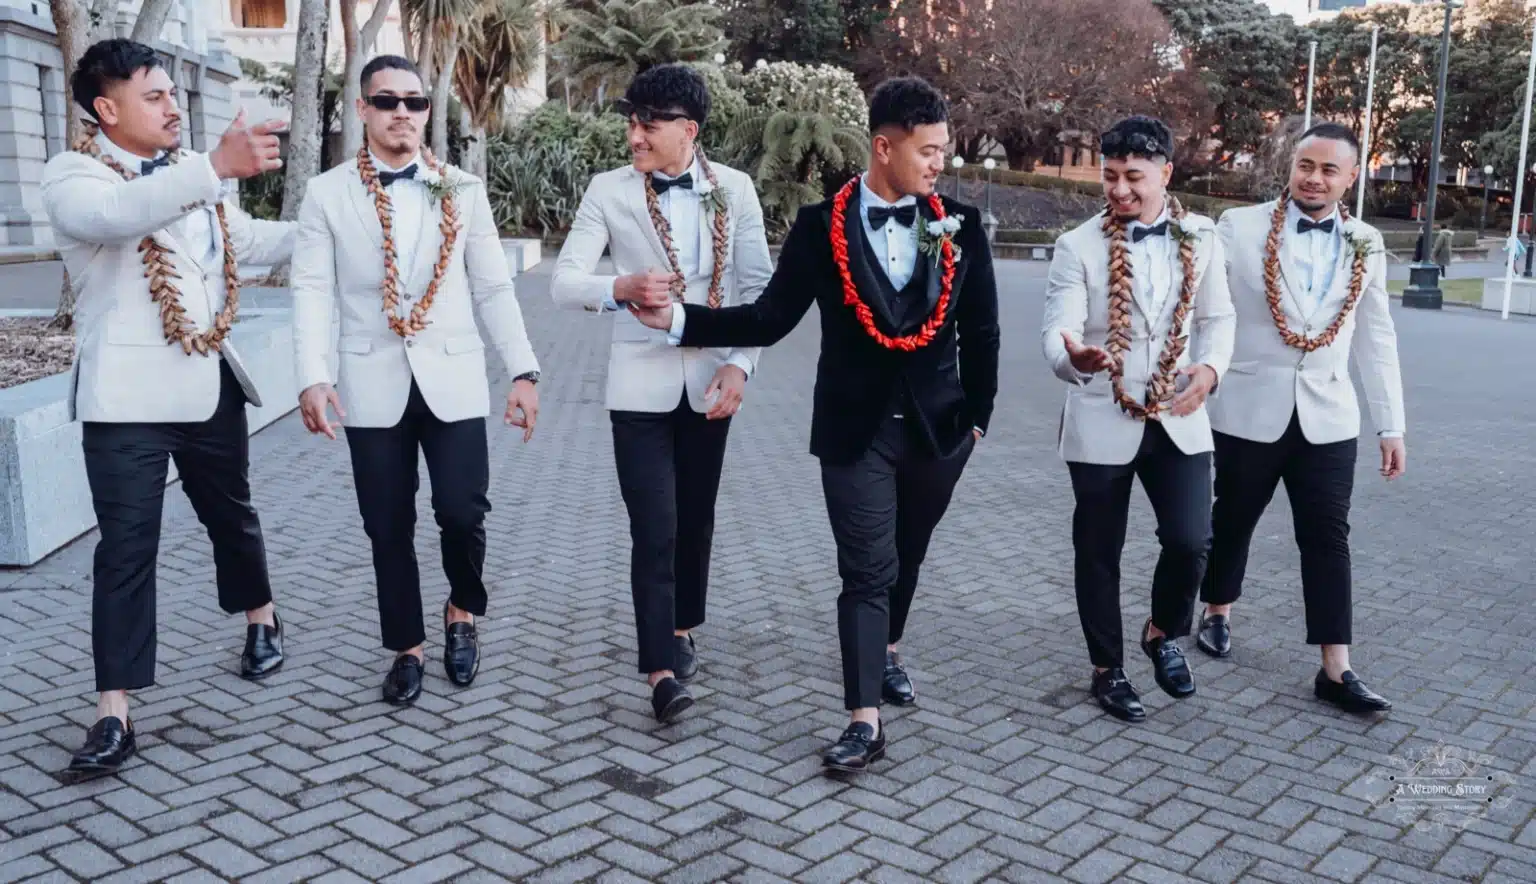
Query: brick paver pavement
[(550, 767)]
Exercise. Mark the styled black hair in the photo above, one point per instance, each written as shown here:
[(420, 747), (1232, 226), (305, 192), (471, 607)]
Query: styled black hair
[(907, 102), (106, 62), (386, 63), (1137, 136), (1333, 132), (666, 87)]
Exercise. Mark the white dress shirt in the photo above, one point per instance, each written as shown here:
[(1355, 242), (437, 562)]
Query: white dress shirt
[(199, 228), (1151, 265), (411, 204), (1314, 255), (894, 244)]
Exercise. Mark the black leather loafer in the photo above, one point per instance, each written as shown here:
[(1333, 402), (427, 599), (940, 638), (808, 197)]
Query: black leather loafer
[(687, 659), (1351, 694), (1168, 665), (263, 653), (108, 744), (403, 683), (856, 749), (896, 685), (1215, 636), (461, 650), (669, 699), (1117, 696)]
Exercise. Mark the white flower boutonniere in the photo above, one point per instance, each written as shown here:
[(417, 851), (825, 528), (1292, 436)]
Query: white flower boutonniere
[(932, 235), (1181, 234), (446, 183), (1359, 243)]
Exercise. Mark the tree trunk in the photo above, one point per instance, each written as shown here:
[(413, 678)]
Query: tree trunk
[(306, 126), (475, 162), (442, 91), (72, 20), (151, 20), (357, 43)]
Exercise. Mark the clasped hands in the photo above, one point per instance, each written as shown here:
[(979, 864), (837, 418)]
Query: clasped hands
[(648, 297), (1089, 359)]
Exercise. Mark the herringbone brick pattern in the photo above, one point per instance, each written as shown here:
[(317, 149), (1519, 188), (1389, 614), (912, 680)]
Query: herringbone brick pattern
[(551, 769)]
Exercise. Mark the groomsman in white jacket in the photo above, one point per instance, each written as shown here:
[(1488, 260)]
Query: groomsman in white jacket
[(153, 250), (1139, 324), (409, 252), (671, 221), (1309, 286)]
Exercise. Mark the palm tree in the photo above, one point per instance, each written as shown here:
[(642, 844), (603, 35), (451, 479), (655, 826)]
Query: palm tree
[(434, 30), (620, 38), (501, 48)]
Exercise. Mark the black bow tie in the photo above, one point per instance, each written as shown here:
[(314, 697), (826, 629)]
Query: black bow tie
[(148, 166), (663, 185), (388, 178), (905, 215), (1140, 233), (1305, 224)]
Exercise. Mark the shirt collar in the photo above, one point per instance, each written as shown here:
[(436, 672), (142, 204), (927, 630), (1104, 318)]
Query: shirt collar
[(385, 167), (130, 161), (693, 171), (868, 198), (1161, 218)]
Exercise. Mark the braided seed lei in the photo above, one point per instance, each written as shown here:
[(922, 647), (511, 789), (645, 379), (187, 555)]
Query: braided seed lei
[(664, 230), (1160, 387), (160, 269), (449, 226), (1272, 282)]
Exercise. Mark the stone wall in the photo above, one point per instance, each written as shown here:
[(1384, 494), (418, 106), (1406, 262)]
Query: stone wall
[(33, 107)]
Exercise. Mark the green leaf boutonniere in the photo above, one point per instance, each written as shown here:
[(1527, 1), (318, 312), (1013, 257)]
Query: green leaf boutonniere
[(445, 183), (1181, 234), (717, 199), (1359, 244)]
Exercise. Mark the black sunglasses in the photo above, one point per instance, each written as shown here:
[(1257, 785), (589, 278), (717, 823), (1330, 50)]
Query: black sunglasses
[(413, 103), (627, 108)]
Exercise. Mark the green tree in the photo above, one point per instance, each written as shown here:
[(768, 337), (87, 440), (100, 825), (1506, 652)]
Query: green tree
[(612, 42), (827, 31)]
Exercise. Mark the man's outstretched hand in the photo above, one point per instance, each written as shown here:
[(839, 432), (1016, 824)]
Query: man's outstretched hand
[(1087, 359)]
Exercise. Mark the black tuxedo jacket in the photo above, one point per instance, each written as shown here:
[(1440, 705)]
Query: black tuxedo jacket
[(857, 378)]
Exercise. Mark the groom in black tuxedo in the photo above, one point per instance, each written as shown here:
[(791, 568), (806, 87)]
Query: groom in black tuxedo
[(902, 294)]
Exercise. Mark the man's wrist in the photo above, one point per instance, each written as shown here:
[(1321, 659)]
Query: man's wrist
[(531, 377)]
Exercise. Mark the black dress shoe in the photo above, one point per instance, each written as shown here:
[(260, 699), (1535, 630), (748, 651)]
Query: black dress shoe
[(1117, 696), (107, 745), (461, 650), (856, 749), (1215, 636), (896, 688), (263, 649), (403, 683), (1351, 695), (687, 659), (1168, 665), (669, 699)]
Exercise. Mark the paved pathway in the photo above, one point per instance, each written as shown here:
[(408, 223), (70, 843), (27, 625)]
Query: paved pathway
[(550, 769)]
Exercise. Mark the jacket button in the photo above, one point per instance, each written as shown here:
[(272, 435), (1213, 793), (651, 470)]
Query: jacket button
[(410, 343)]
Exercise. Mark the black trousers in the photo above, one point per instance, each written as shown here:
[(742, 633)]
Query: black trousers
[(883, 509), (669, 467), (126, 466), (1178, 486), (384, 469), (1320, 480)]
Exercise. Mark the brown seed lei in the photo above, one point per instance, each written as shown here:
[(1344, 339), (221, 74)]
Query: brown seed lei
[(1272, 283), (449, 226), (1160, 387), (664, 230), (160, 269)]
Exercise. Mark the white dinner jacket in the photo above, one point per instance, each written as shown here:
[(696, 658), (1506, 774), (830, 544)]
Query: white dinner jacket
[(645, 373), (1269, 380), (124, 370), (339, 263), (1094, 429)]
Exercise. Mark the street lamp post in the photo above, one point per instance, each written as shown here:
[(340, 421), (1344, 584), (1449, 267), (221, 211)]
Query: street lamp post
[(1424, 278), (1482, 224), (1365, 147), (989, 220), (958, 163), (1311, 66)]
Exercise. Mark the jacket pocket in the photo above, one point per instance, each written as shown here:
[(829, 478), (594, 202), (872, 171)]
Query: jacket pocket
[(464, 344), (128, 334), (354, 344)]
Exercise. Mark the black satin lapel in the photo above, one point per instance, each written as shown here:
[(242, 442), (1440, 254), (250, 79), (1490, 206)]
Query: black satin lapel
[(858, 265), (935, 268)]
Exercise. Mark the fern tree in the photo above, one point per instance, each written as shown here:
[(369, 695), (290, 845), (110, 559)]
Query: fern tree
[(501, 48), (612, 42)]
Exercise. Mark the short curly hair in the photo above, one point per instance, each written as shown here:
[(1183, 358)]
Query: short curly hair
[(907, 102), (668, 86), (1333, 132), (1138, 136)]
